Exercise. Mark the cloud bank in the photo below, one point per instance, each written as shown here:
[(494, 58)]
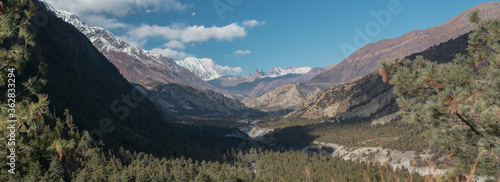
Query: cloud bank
[(242, 52)]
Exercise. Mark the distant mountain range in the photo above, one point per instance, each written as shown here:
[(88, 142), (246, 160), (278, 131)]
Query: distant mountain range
[(277, 71), (204, 69), (260, 82), (365, 60)]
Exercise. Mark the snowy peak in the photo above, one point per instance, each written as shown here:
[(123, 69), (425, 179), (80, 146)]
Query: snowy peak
[(201, 67), (258, 73), (106, 42), (277, 71)]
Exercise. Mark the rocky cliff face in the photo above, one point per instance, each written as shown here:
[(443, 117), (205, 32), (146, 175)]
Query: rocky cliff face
[(186, 100), (365, 60)]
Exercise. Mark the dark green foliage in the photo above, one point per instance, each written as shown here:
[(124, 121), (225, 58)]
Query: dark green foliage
[(256, 165), (459, 101), (394, 135)]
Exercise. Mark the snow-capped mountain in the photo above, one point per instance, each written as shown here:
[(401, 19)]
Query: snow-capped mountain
[(203, 68), (105, 39), (260, 82), (135, 64), (277, 71)]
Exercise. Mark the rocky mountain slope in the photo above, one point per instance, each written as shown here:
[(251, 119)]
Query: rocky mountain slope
[(368, 96), (365, 60), (188, 101), (260, 82), (135, 64), (285, 97)]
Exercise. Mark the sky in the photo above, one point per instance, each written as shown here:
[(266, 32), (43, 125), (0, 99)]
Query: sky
[(248, 34)]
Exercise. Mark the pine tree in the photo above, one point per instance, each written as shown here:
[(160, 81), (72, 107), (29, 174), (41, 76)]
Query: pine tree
[(459, 101), (201, 178), (34, 172), (56, 171)]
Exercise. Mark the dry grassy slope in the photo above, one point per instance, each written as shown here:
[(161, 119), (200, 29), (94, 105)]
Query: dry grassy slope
[(365, 60)]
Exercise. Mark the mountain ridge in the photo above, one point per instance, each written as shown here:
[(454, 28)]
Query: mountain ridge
[(257, 84), (368, 96), (204, 69), (365, 60)]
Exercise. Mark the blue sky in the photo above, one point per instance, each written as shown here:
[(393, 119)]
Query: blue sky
[(249, 34)]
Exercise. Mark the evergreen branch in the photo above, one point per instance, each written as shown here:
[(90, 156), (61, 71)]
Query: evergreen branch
[(26, 150), (469, 125), (22, 123), (15, 28), (30, 85), (4, 66)]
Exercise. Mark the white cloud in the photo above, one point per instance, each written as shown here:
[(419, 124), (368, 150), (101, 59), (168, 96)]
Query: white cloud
[(98, 12), (226, 70), (128, 40), (187, 34), (252, 23), (167, 52), (242, 52), (174, 44), (194, 13), (116, 7), (102, 21)]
